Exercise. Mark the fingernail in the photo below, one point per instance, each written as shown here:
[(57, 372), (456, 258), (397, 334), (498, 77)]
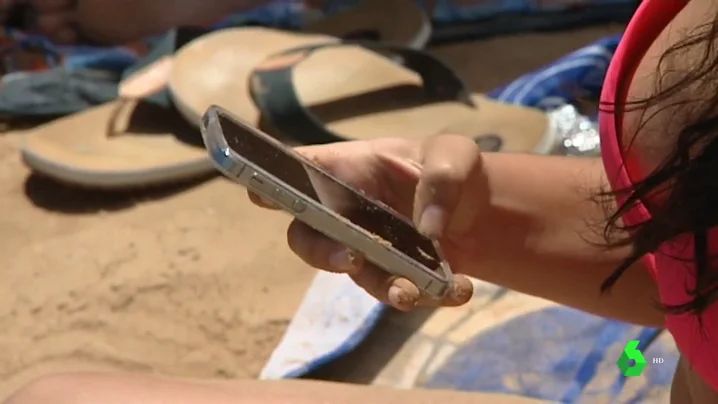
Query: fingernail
[(433, 221), (398, 296), (461, 295), (343, 260)]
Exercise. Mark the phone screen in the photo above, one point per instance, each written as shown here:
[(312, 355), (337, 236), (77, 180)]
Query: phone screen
[(376, 218)]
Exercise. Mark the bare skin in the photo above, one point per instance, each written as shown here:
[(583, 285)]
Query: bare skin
[(122, 389), (70, 21)]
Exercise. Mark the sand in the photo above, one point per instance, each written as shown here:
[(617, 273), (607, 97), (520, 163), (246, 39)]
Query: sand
[(186, 282), (191, 281)]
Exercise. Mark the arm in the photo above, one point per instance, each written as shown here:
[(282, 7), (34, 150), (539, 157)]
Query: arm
[(551, 235)]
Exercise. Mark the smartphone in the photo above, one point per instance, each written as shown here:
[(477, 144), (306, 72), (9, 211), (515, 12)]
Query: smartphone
[(276, 172)]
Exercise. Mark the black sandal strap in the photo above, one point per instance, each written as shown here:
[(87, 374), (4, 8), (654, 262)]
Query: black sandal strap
[(272, 87)]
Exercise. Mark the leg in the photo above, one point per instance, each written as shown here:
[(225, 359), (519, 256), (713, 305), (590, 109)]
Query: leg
[(132, 20), (64, 21), (84, 388)]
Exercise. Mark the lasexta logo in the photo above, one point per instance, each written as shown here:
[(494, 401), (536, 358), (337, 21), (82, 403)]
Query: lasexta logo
[(631, 361)]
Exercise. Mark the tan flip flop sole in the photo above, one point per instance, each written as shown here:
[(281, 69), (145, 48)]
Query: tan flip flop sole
[(356, 93), (128, 144), (146, 151)]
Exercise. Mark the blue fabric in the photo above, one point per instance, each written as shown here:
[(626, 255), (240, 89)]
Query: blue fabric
[(114, 59), (578, 75), (556, 354)]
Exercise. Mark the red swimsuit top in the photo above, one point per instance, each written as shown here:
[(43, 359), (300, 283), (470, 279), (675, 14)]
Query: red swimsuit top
[(674, 276)]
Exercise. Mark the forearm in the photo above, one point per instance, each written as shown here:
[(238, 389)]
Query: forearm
[(546, 235)]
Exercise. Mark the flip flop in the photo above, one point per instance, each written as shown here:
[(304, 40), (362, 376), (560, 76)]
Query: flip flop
[(138, 140), (316, 89), (131, 141)]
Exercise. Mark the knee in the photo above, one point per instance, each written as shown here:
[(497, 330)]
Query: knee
[(63, 388)]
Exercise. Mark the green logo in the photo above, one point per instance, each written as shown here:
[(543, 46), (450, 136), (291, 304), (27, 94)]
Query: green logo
[(631, 353)]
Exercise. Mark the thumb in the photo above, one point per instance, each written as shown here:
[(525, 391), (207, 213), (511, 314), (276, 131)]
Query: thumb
[(451, 186)]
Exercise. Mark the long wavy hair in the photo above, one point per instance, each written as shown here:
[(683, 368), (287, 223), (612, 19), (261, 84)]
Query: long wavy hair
[(687, 179)]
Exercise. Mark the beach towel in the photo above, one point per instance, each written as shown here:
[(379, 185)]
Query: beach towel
[(504, 341)]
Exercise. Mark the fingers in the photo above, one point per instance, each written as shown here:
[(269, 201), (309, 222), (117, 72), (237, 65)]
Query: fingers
[(326, 156), (404, 295), (400, 293), (261, 202), (319, 251), (445, 198), (449, 189), (461, 292)]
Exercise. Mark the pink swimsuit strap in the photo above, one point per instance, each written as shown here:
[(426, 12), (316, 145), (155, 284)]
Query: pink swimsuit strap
[(697, 342)]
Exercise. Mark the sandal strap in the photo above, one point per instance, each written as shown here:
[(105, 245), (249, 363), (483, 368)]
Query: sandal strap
[(146, 82), (166, 45), (273, 91)]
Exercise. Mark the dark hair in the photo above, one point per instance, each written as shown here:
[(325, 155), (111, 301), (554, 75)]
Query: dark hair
[(687, 179)]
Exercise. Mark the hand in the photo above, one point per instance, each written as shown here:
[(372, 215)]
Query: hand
[(438, 182)]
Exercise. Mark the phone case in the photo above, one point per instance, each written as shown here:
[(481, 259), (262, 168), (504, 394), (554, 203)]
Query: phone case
[(243, 171)]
